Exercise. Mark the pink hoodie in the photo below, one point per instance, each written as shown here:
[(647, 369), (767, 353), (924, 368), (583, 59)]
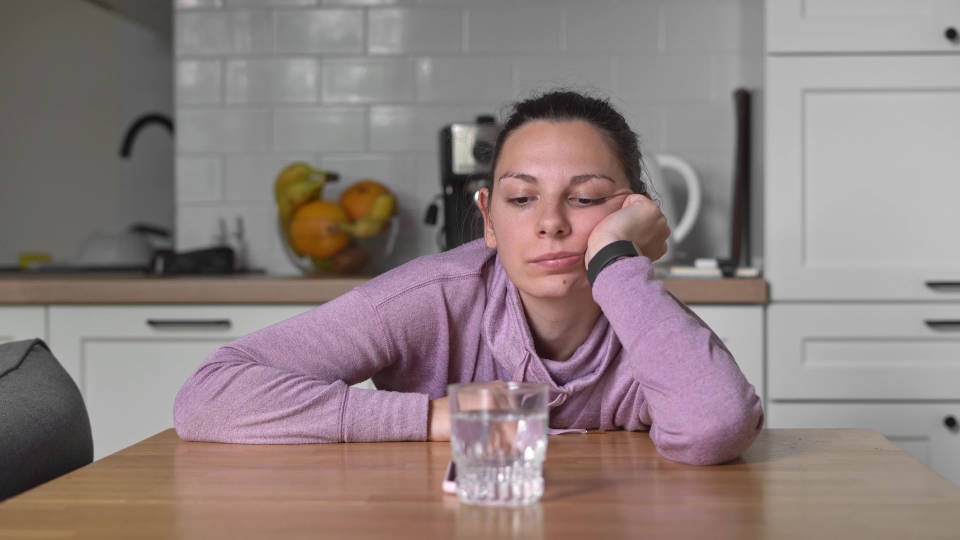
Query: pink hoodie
[(649, 364)]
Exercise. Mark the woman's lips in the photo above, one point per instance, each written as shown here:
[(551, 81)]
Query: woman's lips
[(557, 261)]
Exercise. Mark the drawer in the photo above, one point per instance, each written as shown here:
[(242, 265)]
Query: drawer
[(863, 351), (921, 429)]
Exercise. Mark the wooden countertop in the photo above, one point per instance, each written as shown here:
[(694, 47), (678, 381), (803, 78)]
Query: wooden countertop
[(819, 484), (259, 289)]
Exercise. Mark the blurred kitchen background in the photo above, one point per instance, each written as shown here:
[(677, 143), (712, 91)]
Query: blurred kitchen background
[(361, 87)]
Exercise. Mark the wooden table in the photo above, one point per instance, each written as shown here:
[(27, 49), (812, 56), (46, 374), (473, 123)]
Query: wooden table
[(790, 484)]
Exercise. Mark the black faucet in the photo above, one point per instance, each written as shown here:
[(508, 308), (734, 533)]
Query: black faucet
[(139, 124)]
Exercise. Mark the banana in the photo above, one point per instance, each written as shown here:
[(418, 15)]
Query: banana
[(296, 195), (298, 172), (382, 207), (371, 224)]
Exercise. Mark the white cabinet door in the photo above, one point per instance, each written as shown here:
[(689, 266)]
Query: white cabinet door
[(130, 361), (863, 351), (862, 178), (741, 330), (924, 430), (802, 26), (22, 322)]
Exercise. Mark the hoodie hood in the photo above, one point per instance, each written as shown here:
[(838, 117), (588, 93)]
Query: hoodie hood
[(508, 337)]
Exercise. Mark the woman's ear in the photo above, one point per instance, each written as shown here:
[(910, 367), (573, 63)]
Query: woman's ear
[(483, 201)]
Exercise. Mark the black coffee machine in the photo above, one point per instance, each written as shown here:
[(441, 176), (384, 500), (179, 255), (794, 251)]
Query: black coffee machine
[(466, 152)]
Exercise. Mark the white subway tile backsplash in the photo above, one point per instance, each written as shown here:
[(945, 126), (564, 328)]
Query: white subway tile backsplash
[(198, 82), (576, 72), (198, 225), (646, 121), (701, 26), (319, 31), (355, 80), (190, 4), (403, 128), (700, 126), (620, 27), (272, 80), (414, 30), (198, 179), (319, 129), (364, 86), (223, 32), (727, 76), (461, 79), (513, 29), (250, 177), (267, 3), (370, 3), (663, 77), (228, 130)]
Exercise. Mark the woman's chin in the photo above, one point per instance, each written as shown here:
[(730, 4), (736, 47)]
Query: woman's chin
[(558, 286)]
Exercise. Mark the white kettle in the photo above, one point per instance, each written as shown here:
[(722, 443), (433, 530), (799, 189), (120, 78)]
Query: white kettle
[(680, 224)]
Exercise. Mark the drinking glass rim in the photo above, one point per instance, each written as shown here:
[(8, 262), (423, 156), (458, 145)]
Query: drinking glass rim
[(498, 386)]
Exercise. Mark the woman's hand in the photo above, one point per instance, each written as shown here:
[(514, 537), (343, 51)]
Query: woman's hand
[(639, 220), (438, 420)]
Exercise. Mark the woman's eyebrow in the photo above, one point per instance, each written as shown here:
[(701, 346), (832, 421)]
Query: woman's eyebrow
[(581, 178), (576, 180)]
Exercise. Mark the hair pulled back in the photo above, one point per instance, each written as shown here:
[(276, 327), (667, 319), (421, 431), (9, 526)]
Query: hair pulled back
[(566, 106)]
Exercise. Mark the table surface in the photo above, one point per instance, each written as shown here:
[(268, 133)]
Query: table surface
[(41, 288), (840, 483)]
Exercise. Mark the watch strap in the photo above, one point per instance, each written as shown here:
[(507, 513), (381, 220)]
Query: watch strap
[(608, 254)]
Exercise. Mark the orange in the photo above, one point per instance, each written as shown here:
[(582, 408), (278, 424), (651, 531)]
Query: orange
[(315, 229), (358, 198)]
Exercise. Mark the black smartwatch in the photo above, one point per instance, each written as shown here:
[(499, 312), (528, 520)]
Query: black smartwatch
[(608, 254)]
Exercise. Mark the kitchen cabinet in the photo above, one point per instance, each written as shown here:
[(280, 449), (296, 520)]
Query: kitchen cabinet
[(741, 330), (847, 351), (861, 178), (862, 126), (22, 322), (859, 26), (130, 361)]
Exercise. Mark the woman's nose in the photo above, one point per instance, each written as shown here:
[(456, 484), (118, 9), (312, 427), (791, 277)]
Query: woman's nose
[(553, 221)]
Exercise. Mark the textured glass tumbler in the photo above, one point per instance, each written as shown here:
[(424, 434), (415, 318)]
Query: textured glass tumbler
[(499, 440)]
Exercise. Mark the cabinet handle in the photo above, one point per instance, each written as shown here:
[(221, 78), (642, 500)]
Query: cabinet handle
[(950, 422), (951, 34), (189, 323), (944, 286), (943, 324)]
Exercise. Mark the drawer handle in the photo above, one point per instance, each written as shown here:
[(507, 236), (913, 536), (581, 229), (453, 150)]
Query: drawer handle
[(944, 286), (189, 323), (950, 422), (951, 34), (943, 324)]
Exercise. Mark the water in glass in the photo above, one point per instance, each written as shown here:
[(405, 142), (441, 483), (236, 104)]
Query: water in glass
[(499, 456)]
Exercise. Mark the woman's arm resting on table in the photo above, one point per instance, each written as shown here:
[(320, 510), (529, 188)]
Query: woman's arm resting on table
[(699, 406), (289, 383)]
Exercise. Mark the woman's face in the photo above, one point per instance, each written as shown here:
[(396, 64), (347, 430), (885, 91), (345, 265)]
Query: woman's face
[(553, 183)]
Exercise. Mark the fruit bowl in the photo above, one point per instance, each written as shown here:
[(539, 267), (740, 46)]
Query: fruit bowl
[(366, 255)]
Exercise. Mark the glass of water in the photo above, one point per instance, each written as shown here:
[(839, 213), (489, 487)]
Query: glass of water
[(498, 435)]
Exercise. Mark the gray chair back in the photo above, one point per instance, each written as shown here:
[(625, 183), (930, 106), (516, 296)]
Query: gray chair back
[(44, 427)]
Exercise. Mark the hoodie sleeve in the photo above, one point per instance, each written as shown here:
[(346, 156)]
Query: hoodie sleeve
[(289, 383), (700, 408)]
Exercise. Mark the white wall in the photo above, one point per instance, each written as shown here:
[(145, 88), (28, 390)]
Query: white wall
[(69, 75), (363, 87)]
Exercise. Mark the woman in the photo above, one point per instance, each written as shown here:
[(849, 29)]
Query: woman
[(560, 291)]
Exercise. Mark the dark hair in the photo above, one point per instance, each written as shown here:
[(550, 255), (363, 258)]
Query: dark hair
[(566, 106)]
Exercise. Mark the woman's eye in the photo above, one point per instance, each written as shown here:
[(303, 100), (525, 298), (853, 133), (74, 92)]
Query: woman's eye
[(519, 201), (586, 201)]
